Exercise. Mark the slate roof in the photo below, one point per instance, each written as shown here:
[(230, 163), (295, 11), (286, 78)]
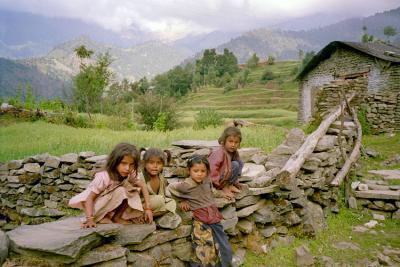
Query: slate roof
[(379, 50)]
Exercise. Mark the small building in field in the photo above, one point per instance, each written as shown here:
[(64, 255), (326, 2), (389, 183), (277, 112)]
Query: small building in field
[(370, 69)]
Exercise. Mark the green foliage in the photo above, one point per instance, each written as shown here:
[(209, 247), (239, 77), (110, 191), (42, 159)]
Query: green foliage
[(366, 38), (30, 102), (253, 61), (267, 76), (82, 52), (207, 117), (150, 105), (176, 82), (161, 124), (271, 60), (366, 126), (16, 101), (56, 105), (76, 120), (389, 31), (90, 83)]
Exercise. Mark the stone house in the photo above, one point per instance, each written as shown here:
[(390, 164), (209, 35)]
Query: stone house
[(370, 69)]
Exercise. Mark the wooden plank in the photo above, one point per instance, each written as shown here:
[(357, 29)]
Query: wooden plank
[(378, 194)]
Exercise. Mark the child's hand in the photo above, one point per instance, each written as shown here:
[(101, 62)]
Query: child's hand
[(148, 215), (184, 205), (89, 223), (132, 178)]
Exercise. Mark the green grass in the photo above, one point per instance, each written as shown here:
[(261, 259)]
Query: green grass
[(339, 229), (18, 140), (274, 103)]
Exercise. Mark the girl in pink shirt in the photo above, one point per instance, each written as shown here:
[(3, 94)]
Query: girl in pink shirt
[(113, 195)]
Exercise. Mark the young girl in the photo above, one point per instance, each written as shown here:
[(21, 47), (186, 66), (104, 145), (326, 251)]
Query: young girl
[(154, 161), (209, 241), (113, 195), (225, 163)]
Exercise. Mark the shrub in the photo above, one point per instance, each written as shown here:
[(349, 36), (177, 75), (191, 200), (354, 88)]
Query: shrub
[(150, 105), (366, 126), (267, 76), (161, 124), (74, 119), (207, 117)]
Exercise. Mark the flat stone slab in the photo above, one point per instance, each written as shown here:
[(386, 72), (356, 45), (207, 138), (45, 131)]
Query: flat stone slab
[(195, 143), (60, 241), (387, 174), (134, 233), (378, 194)]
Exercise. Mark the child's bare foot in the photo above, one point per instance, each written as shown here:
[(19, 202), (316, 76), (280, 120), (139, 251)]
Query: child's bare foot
[(234, 189), (121, 221), (227, 193), (105, 220)]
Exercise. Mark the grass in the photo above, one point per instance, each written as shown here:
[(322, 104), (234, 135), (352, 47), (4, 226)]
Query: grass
[(273, 103), (339, 229), (22, 139)]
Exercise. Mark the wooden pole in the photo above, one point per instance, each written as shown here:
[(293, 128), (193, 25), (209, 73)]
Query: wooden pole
[(355, 154), (285, 178)]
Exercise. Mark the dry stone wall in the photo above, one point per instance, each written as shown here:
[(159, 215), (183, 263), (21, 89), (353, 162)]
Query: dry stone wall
[(36, 189)]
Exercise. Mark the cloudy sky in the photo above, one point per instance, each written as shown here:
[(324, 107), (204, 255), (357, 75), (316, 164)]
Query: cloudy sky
[(176, 18)]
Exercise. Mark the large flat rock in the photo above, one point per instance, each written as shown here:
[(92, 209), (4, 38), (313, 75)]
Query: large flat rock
[(378, 194), (61, 241), (387, 174)]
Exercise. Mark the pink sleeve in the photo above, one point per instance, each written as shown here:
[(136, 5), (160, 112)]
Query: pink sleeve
[(98, 185), (215, 159)]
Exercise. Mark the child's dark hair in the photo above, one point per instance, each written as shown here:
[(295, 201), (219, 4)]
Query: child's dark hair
[(229, 131), (198, 159), (116, 156), (164, 155)]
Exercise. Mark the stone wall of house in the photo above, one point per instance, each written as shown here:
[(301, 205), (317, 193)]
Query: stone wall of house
[(36, 189), (375, 81)]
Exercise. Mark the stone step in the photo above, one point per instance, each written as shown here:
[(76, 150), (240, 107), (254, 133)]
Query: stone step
[(378, 194), (387, 174)]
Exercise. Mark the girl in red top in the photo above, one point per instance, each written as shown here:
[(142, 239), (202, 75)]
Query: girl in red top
[(225, 163)]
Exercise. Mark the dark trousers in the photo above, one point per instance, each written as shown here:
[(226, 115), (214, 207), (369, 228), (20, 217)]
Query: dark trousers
[(237, 166)]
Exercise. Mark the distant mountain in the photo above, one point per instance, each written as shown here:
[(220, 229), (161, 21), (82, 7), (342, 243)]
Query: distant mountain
[(14, 73), (285, 45), (61, 64), (199, 42), (309, 22), (28, 35)]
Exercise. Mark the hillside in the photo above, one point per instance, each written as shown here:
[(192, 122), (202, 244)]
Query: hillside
[(61, 64), (285, 45), (273, 103)]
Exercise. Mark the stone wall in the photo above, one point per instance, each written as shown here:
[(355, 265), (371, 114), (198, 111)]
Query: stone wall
[(373, 78), (262, 216)]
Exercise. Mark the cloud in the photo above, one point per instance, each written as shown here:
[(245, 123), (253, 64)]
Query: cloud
[(175, 18)]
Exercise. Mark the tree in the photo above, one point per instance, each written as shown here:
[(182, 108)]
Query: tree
[(30, 101), (366, 38), (82, 52), (271, 60), (389, 31), (90, 83), (253, 61)]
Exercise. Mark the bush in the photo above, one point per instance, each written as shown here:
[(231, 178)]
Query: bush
[(267, 76), (207, 117), (74, 119), (150, 105), (366, 126)]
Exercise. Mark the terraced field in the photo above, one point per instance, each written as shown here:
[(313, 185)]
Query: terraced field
[(272, 103)]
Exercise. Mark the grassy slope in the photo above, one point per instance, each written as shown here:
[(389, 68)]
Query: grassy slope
[(18, 140), (273, 103)]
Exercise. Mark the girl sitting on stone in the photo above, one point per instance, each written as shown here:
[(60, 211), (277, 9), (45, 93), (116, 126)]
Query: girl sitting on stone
[(209, 241), (154, 160), (113, 195), (225, 163)]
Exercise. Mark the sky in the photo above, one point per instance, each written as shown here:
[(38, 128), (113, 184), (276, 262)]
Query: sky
[(176, 18)]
